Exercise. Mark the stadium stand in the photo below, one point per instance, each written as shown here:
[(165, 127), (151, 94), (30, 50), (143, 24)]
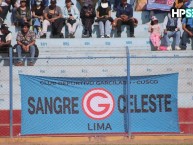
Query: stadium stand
[(99, 47)]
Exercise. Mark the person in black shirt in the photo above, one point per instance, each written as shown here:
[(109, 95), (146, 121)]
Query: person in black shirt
[(5, 37), (37, 16), (87, 14)]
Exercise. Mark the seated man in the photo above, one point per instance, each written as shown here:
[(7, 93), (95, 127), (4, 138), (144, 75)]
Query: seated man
[(125, 17), (5, 39), (53, 17), (187, 26), (25, 43), (171, 28)]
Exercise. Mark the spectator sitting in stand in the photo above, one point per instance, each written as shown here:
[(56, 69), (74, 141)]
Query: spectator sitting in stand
[(5, 39), (155, 32), (4, 8), (171, 28), (53, 17), (87, 14), (25, 43), (187, 26), (37, 16), (16, 5), (71, 14), (104, 18), (23, 14), (124, 17)]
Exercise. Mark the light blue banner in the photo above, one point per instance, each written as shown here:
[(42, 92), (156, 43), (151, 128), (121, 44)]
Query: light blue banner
[(163, 5), (52, 105)]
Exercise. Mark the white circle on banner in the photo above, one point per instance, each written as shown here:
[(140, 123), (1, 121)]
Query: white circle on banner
[(98, 103)]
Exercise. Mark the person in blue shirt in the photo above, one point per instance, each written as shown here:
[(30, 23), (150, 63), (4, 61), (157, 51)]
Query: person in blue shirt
[(187, 26), (125, 17)]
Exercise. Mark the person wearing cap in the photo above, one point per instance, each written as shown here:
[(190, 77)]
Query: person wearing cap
[(104, 18), (171, 28), (37, 16), (25, 43), (53, 17), (5, 38), (155, 32), (87, 15), (125, 15), (23, 14), (72, 15)]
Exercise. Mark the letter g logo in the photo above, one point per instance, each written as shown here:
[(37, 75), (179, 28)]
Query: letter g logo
[(98, 103)]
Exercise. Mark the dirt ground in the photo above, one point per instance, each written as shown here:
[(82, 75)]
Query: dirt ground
[(107, 140)]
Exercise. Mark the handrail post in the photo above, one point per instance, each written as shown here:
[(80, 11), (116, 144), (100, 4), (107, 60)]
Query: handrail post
[(128, 92), (11, 90)]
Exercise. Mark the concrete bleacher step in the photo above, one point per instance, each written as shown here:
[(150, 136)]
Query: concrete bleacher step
[(141, 31)]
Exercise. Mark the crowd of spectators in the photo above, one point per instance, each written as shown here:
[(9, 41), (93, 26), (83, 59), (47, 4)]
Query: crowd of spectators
[(41, 14)]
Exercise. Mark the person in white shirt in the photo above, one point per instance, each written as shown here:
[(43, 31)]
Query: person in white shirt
[(72, 15), (171, 27)]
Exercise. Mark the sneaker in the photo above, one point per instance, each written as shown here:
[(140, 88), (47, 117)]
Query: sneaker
[(169, 48), (19, 63), (132, 35), (85, 34), (31, 63), (177, 48), (118, 35), (107, 36), (72, 35), (102, 36), (61, 35), (43, 36), (90, 35)]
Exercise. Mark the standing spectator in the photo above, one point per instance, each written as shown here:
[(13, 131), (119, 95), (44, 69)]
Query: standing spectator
[(4, 8), (187, 26), (23, 14), (25, 43), (53, 17), (72, 15), (155, 32), (171, 28), (104, 18), (37, 16), (5, 38), (87, 14), (125, 17)]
